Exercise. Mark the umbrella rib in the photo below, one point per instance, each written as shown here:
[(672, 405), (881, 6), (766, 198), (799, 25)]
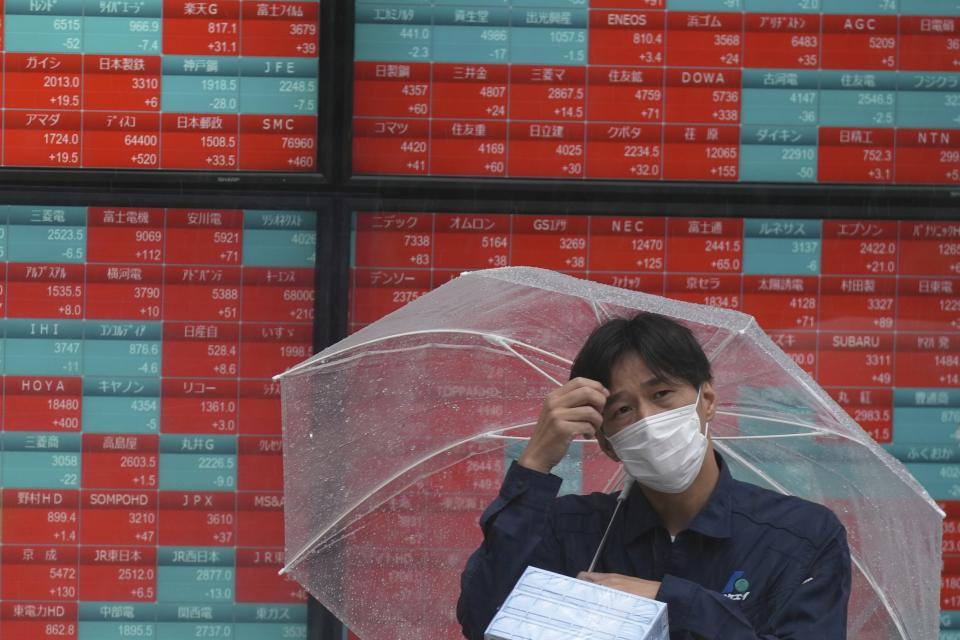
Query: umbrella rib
[(863, 570), (499, 436), (910, 481), (307, 548), (730, 337), (818, 430), (796, 423), (812, 434), (507, 346), (598, 311), (380, 352), (493, 337)]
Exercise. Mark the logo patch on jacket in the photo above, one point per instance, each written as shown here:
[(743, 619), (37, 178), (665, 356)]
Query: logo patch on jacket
[(737, 587)]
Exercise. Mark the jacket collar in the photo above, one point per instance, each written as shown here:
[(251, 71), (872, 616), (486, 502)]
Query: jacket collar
[(713, 520)]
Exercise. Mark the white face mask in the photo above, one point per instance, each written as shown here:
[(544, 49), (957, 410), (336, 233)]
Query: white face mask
[(665, 451)]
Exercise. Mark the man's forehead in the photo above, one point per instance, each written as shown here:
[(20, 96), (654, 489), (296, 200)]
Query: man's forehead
[(631, 373), (624, 387)]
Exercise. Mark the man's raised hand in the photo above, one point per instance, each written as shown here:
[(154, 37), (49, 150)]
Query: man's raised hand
[(571, 411)]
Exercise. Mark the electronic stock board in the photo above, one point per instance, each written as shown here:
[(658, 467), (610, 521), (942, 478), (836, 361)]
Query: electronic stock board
[(140, 450), (786, 91), (800, 92), (870, 308), (212, 85)]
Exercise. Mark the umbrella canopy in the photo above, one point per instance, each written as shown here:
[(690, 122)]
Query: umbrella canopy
[(397, 437)]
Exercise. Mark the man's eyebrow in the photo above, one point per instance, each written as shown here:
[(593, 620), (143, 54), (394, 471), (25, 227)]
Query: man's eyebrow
[(655, 381), (613, 398)]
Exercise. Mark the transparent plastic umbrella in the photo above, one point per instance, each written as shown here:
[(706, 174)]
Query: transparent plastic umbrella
[(397, 437)]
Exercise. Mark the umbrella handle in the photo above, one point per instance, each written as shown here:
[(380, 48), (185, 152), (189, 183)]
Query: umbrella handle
[(603, 541)]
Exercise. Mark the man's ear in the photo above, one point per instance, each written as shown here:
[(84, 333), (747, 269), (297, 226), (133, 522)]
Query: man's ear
[(708, 402)]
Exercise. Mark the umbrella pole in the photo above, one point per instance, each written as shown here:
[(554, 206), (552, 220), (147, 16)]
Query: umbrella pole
[(606, 534)]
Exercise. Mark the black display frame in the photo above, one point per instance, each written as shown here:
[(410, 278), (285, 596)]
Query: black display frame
[(881, 205)]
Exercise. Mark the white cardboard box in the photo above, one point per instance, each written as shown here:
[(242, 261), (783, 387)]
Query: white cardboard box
[(549, 606)]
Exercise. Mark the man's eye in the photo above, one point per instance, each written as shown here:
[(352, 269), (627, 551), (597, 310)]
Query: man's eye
[(619, 411), (663, 393)]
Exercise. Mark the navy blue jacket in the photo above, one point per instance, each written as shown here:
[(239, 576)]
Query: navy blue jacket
[(752, 563)]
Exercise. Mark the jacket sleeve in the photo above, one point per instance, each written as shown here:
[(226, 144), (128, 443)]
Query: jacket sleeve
[(817, 607), (517, 532)]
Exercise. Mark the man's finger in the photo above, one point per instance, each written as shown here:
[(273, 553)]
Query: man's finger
[(589, 415), (583, 396), (573, 428), (577, 383), (581, 429)]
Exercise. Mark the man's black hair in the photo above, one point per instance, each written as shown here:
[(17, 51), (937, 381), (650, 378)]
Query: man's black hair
[(668, 348)]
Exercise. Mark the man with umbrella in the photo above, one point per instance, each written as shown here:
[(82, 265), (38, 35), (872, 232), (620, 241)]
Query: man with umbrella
[(731, 560)]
